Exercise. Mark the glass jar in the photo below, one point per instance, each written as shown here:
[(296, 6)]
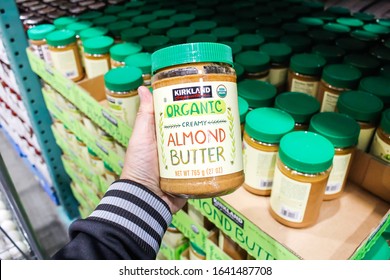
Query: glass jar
[(343, 132), (380, 146), (302, 170), (128, 15), (143, 20), (134, 34), (243, 108), (119, 52), (78, 27), (257, 93), (197, 120), (182, 19), (164, 13), (97, 55), (264, 128), (302, 107), (37, 39), (256, 65), (142, 61), (336, 78), (179, 35), (121, 92), (104, 20), (117, 27), (152, 43), (161, 26), (377, 85), (64, 54), (279, 54), (304, 73), (363, 107), (249, 41)]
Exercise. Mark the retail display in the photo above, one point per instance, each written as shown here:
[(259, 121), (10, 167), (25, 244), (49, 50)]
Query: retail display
[(381, 144)]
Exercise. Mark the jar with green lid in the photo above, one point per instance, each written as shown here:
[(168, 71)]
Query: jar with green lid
[(164, 13), (256, 64), (300, 106), (363, 107), (298, 43), (179, 35), (365, 36), (332, 54), (377, 85), (225, 33), (302, 171), (152, 43), (104, 20), (243, 108), (97, 55), (305, 72), (202, 37), (336, 78), (196, 253), (257, 93), (279, 54), (197, 117), (249, 41), (95, 162), (64, 54), (270, 34), (121, 92), (113, 9), (202, 26), (311, 22), (135, 4), (367, 64), (161, 26), (183, 19), (134, 34), (264, 127), (380, 146), (109, 176), (92, 32), (378, 29), (37, 40), (62, 22), (90, 15), (119, 52), (352, 45), (128, 15), (351, 22), (143, 19), (79, 26), (142, 61), (321, 36), (117, 27)]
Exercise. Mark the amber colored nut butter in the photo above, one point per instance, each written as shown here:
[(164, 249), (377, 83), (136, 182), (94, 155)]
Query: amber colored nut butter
[(302, 170), (142, 61), (197, 120), (263, 130), (37, 39), (256, 65), (64, 54), (120, 52), (380, 146), (343, 132), (97, 55)]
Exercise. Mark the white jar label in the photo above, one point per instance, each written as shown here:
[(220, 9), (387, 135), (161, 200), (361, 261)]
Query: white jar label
[(329, 102), (380, 149), (66, 63), (259, 167), (289, 197), (338, 173), (278, 77), (46, 54), (125, 108), (310, 88), (365, 137), (37, 50), (198, 130), (96, 67)]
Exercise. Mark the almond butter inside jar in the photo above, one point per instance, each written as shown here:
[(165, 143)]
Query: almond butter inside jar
[(197, 120)]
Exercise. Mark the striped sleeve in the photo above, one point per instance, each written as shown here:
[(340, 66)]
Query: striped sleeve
[(138, 211)]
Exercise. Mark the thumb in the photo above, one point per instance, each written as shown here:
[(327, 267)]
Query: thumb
[(146, 98)]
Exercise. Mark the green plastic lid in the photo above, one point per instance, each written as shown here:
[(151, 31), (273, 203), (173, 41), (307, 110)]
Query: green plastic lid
[(203, 13), (364, 35), (135, 4), (182, 18), (366, 17), (91, 152), (134, 34), (383, 21), (295, 28), (128, 15), (270, 34), (268, 125), (39, 32), (377, 85), (191, 53), (360, 105), (202, 37), (239, 71), (123, 79), (385, 71), (225, 33), (298, 43), (62, 22), (331, 53), (243, 108), (90, 15), (311, 21), (340, 129), (367, 64), (351, 22), (114, 9), (180, 34), (79, 26), (341, 75), (382, 53), (385, 121), (249, 41), (98, 45), (307, 64), (236, 47), (120, 51), (93, 32), (61, 37), (351, 44), (160, 27), (377, 28), (142, 20), (337, 28), (325, 16), (306, 152), (278, 52), (107, 166), (299, 105), (257, 93), (141, 60), (203, 25), (254, 61), (339, 10), (164, 13), (117, 27), (197, 249), (153, 42), (104, 20), (322, 36)]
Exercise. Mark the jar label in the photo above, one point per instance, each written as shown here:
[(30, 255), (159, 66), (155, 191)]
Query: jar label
[(125, 108), (310, 88), (365, 137), (46, 54), (338, 173), (329, 102), (38, 50), (380, 149), (96, 67), (289, 197), (259, 167), (278, 77), (198, 130), (66, 63)]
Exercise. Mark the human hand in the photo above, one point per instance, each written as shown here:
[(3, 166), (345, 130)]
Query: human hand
[(141, 162)]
